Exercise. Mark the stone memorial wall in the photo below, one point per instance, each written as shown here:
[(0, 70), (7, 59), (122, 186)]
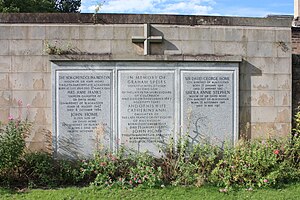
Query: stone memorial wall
[(143, 106), (161, 48)]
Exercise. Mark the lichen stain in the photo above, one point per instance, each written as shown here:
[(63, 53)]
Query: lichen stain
[(245, 115), (4, 82), (285, 100), (40, 140), (282, 130), (4, 98), (264, 100), (262, 130), (40, 116), (39, 100), (39, 84), (261, 87), (285, 86), (248, 101), (283, 116)]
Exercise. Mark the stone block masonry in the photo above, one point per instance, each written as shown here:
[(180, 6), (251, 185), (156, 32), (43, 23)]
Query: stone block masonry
[(261, 46)]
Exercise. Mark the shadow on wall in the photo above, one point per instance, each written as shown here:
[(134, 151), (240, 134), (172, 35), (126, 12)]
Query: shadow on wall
[(247, 70), (296, 83), (161, 48)]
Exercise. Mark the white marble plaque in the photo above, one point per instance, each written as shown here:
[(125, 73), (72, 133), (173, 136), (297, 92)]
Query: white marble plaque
[(84, 114), (142, 106), (146, 108), (208, 106)]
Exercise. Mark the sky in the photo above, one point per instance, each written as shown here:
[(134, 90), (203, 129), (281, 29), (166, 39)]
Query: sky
[(243, 8)]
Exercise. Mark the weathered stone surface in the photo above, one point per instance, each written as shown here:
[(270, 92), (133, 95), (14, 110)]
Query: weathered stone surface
[(4, 32), (146, 107), (262, 46), (36, 99), (230, 48), (5, 63), (4, 50), (209, 105), (267, 130), (5, 99), (261, 49), (92, 32), (29, 81), (260, 35), (143, 18), (197, 47), (83, 110), (29, 63), (62, 32), (26, 47)]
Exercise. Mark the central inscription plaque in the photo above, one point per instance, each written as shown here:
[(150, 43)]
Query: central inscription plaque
[(146, 108), (142, 105)]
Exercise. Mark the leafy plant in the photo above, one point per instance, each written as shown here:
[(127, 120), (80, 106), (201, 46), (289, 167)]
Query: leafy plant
[(187, 164), (126, 171), (12, 144), (144, 172), (255, 164), (42, 170)]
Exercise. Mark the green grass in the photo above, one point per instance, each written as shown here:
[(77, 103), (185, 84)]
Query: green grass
[(289, 192)]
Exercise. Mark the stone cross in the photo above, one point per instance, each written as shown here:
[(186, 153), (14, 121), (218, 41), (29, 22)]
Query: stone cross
[(296, 9), (147, 39)]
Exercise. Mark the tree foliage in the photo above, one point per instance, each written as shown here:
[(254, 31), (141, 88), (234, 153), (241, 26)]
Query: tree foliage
[(32, 6)]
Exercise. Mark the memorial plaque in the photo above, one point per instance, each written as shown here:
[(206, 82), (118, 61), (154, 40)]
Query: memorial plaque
[(208, 106), (142, 105), (84, 114), (146, 109)]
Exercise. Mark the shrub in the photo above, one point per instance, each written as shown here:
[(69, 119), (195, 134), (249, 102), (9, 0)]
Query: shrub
[(186, 164), (12, 147), (42, 170), (144, 172), (126, 171), (257, 164)]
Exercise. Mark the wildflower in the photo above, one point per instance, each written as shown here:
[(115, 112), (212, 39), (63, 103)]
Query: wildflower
[(276, 151), (139, 181), (223, 190), (120, 179), (20, 103), (10, 117), (232, 167), (134, 179), (162, 186), (130, 182), (266, 181)]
